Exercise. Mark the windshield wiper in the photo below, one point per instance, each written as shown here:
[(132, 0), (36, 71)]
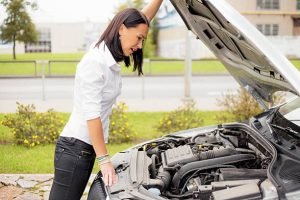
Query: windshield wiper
[(288, 130)]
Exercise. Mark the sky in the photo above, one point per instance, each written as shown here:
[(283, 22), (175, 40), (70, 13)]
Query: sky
[(72, 10)]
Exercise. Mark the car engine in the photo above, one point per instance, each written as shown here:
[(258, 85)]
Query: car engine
[(222, 163)]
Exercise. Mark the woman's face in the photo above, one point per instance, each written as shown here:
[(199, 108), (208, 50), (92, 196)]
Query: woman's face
[(132, 38)]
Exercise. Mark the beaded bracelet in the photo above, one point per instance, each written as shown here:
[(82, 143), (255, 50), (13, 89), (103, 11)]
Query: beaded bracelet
[(103, 157)]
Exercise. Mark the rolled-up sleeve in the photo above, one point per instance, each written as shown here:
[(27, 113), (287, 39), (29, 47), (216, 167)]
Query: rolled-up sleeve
[(91, 82)]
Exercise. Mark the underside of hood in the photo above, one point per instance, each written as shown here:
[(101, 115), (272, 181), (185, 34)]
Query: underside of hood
[(247, 54)]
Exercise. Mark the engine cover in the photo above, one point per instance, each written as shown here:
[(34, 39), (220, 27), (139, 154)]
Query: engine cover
[(180, 155)]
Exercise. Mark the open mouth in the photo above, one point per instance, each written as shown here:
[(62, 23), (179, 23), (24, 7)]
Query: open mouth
[(133, 50)]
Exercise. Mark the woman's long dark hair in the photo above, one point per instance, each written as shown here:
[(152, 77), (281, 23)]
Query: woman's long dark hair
[(130, 17)]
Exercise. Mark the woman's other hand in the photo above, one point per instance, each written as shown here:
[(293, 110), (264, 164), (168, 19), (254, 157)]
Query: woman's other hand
[(108, 173)]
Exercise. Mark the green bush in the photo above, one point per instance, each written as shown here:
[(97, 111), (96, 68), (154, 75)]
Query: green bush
[(184, 117), (31, 128), (120, 130), (242, 106)]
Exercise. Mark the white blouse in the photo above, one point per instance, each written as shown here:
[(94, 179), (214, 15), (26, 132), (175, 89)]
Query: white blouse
[(97, 86)]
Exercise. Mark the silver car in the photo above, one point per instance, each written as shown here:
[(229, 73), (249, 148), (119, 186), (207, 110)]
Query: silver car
[(257, 160)]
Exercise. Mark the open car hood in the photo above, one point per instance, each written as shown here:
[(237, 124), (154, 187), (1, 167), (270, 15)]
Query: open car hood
[(247, 54)]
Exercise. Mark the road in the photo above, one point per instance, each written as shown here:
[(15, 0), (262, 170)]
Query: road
[(160, 93)]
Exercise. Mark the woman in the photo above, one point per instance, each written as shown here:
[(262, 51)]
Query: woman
[(97, 85)]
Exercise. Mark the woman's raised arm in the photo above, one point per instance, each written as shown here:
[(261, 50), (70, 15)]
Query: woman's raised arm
[(151, 9)]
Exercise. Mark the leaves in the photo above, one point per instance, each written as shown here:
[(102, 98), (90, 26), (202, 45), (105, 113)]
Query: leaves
[(31, 128), (120, 130), (242, 106), (183, 118)]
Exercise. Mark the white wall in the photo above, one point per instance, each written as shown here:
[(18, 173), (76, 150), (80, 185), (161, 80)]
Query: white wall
[(176, 49), (288, 45), (67, 37), (8, 49)]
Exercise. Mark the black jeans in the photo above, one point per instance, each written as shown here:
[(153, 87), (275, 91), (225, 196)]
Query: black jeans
[(73, 163)]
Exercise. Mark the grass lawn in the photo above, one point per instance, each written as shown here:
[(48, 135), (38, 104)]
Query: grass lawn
[(19, 159), (62, 67), (18, 68), (296, 63), (59, 66)]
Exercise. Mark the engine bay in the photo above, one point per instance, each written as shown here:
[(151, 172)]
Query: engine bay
[(228, 162)]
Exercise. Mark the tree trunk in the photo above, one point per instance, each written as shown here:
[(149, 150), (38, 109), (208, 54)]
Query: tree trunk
[(14, 47)]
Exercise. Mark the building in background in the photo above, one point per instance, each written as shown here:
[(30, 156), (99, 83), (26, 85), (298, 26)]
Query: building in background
[(60, 38), (271, 17), (279, 20)]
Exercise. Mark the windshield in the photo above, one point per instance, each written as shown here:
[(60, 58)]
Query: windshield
[(291, 111)]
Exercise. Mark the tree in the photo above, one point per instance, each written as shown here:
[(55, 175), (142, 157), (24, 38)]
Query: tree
[(17, 26)]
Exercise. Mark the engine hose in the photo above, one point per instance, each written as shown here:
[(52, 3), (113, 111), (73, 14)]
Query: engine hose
[(97, 190), (153, 170), (165, 176), (216, 153), (242, 150), (207, 164), (162, 181), (169, 194)]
